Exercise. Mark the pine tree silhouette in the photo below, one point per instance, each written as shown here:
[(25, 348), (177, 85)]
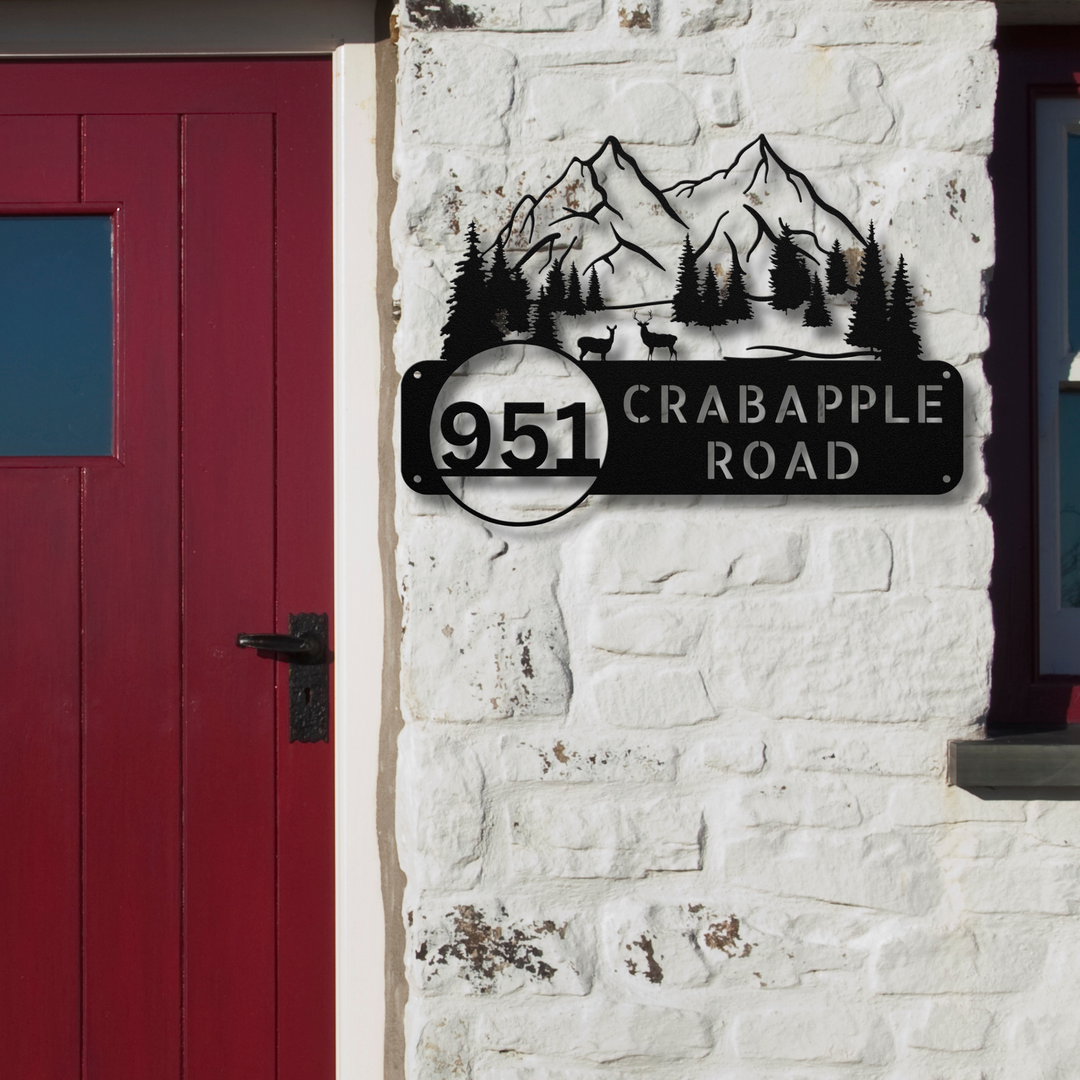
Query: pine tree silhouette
[(469, 328), (519, 310), (594, 301), (788, 278), (499, 284), (574, 304), (901, 342), (544, 326), (869, 308), (711, 308), (555, 288), (736, 303), (836, 272), (817, 314), (687, 299)]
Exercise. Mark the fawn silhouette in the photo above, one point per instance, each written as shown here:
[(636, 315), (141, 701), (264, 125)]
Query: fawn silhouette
[(656, 341), (600, 346)]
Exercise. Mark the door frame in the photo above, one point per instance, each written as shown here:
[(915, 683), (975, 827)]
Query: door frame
[(107, 31), (360, 604)]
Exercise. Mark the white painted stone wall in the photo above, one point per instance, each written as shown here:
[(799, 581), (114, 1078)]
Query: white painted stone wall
[(671, 786)]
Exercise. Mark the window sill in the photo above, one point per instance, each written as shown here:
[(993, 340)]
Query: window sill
[(1044, 765)]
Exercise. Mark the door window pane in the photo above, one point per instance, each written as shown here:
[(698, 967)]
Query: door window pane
[(56, 335)]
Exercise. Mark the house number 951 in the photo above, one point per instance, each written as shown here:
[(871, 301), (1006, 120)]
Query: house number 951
[(513, 429)]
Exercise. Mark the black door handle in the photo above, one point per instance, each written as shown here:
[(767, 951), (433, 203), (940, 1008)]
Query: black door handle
[(308, 644), (307, 647)]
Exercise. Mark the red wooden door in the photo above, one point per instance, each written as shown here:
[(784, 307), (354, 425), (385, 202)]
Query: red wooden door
[(166, 853)]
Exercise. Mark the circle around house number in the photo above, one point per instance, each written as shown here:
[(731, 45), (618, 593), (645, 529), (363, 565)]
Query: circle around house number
[(518, 434)]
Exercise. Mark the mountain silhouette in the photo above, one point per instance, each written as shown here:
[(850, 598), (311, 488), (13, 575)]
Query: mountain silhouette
[(607, 212)]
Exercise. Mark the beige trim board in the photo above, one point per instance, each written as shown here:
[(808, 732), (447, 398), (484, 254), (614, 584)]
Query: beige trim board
[(358, 569)]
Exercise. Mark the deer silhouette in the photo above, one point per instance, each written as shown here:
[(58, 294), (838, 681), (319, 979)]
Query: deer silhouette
[(600, 346), (656, 341)]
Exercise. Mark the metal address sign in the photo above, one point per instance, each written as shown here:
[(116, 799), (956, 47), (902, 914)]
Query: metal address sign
[(739, 372)]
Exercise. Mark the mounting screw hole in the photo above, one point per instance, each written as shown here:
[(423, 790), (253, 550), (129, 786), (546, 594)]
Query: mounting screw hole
[(417, 479), (946, 479), (944, 374), (416, 374)]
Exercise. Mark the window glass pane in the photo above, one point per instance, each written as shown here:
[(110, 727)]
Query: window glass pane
[(1069, 473), (56, 335), (1073, 168)]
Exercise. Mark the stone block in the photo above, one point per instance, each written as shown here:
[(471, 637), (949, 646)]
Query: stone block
[(843, 26), (951, 1025), (924, 959), (855, 24), (966, 841), (1042, 1033), (949, 550), (530, 15), (691, 558), (940, 217), (714, 61), (835, 1035), (860, 559), (735, 752), (589, 837), (1025, 883), (484, 636), (442, 190), (915, 804), (1056, 823), (458, 92), (691, 17), (653, 947), (868, 750), (475, 948), (872, 656), (442, 1048), (887, 871), (598, 1031), (496, 1067), (1014, 955), (642, 629), (645, 696), (953, 337), (811, 801), (440, 808), (948, 99), (722, 106), (637, 50), (572, 759), (818, 92), (639, 110)]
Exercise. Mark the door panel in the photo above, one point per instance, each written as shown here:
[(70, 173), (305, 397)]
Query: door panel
[(168, 910), (131, 590), (229, 503), (305, 455), (40, 726), (40, 775)]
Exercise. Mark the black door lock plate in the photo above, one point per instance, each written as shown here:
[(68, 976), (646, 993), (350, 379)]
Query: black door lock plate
[(306, 646)]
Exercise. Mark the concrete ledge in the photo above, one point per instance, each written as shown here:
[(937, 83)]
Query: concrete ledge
[(1038, 766)]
